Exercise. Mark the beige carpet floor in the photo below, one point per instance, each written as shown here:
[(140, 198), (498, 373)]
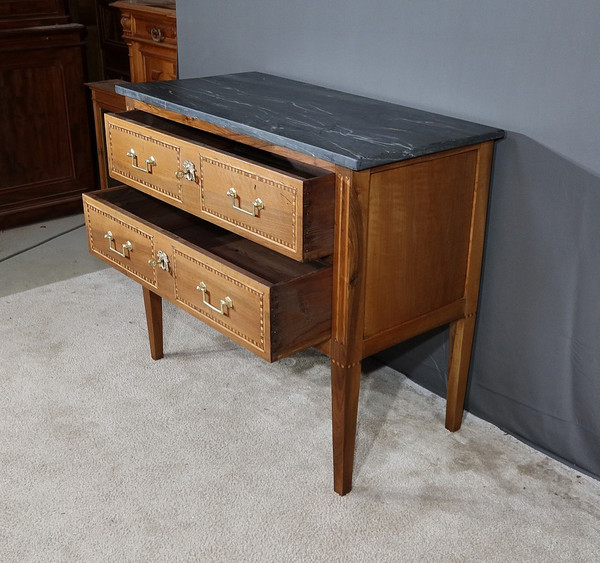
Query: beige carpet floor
[(211, 454)]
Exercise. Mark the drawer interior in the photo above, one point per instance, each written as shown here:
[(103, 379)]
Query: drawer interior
[(236, 250), (257, 156)]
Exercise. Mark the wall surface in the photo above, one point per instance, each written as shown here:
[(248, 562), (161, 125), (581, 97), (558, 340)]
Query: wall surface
[(530, 68)]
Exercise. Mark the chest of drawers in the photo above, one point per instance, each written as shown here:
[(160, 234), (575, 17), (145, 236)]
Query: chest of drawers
[(286, 215)]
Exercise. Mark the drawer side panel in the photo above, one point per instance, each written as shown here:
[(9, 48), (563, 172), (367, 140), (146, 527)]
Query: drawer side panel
[(301, 313)]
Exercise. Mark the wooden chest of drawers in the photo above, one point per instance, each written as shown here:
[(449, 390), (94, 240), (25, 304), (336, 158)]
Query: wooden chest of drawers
[(286, 215)]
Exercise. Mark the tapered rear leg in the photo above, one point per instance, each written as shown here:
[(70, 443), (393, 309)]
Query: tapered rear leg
[(153, 306), (461, 344)]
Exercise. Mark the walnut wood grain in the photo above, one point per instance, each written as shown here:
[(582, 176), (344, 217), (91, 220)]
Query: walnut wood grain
[(352, 193), (46, 158), (462, 330), (295, 216), (280, 305), (408, 245), (406, 240), (153, 307), (419, 226)]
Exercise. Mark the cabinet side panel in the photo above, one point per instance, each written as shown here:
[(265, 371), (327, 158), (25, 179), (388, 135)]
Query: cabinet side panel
[(301, 313), (418, 238)]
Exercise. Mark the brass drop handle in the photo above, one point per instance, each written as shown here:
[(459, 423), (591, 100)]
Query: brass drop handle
[(257, 204), (226, 303), (188, 172), (157, 35), (150, 162), (127, 247), (162, 260)]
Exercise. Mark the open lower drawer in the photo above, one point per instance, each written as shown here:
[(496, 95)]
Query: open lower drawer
[(282, 204), (271, 304)]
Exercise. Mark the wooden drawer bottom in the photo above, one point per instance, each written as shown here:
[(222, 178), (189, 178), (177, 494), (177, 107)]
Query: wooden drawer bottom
[(271, 304)]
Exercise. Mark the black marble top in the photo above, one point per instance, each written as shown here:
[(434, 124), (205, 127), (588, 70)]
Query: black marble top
[(353, 131)]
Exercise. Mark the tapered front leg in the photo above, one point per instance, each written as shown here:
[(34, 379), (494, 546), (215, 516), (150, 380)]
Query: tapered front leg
[(153, 306), (347, 319), (345, 385)]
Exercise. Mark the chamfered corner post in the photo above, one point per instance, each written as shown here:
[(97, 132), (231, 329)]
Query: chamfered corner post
[(347, 319)]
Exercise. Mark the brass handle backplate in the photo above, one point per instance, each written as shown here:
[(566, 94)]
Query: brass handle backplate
[(257, 204), (150, 162), (226, 303), (127, 247)]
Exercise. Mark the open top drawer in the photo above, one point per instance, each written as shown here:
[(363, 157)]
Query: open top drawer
[(281, 204), (269, 303)]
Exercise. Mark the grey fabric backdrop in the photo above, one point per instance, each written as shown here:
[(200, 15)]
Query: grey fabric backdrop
[(530, 68)]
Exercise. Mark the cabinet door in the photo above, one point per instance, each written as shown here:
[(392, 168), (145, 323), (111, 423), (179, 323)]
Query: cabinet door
[(45, 153), (151, 63), (32, 8)]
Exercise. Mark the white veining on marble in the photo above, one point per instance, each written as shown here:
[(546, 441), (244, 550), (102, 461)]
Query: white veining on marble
[(342, 128)]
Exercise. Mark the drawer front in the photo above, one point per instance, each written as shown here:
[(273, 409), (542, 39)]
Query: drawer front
[(221, 298), (251, 200), (158, 31), (153, 63), (287, 212), (144, 159), (266, 302), (128, 247)]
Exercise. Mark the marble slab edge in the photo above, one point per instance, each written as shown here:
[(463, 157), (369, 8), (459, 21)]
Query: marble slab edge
[(353, 163)]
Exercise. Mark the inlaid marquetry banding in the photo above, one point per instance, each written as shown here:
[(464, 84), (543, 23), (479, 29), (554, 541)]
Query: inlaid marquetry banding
[(345, 366), (230, 280), (99, 249), (255, 177), (116, 159)]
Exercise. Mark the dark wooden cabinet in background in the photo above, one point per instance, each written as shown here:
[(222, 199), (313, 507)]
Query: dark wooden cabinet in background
[(45, 143), (113, 49), (28, 13)]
